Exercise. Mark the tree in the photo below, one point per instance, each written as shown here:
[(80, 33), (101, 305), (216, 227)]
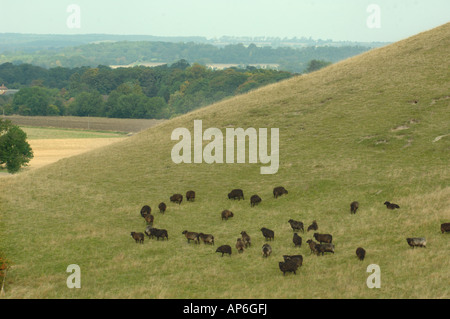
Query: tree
[(315, 65), (15, 151)]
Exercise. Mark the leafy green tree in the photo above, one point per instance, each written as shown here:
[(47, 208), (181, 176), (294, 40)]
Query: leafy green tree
[(88, 104), (315, 65), (15, 151)]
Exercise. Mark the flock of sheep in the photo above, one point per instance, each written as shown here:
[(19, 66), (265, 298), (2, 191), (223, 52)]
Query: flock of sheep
[(291, 262)]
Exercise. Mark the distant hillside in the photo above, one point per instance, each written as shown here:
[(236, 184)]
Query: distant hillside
[(131, 51), (371, 128)]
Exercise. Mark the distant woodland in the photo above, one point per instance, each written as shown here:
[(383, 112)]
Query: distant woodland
[(136, 92)]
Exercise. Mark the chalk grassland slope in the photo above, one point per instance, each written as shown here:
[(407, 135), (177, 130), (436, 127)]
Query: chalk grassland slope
[(352, 131)]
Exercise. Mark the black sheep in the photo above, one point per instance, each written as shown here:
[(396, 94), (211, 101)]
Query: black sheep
[(191, 236), (297, 240), (227, 214), (224, 249), (288, 266), (267, 250), (297, 258), (240, 245), (162, 207), (391, 205), (138, 237), (278, 191), (246, 239), (268, 234), (190, 196), (296, 225), (176, 198), (255, 200), (236, 194), (145, 210), (354, 207), (361, 253), (445, 227), (323, 238), (313, 226)]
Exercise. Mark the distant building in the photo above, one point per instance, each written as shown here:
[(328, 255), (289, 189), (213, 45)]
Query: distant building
[(3, 89)]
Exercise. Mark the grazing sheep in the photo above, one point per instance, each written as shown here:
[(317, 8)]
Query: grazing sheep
[(145, 210), (206, 238), (313, 226), (312, 246), (391, 205), (325, 248), (162, 207), (354, 207), (190, 196), (297, 240), (149, 219), (296, 225), (255, 200), (246, 239), (138, 237), (236, 194), (278, 191), (445, 227), (267, 250), (176, 198), (323, 238), (227, 214), (224, 249), (240, 245), (361, 253), (297, 258), (288, 266), (151, 232), (417, 242), (268, 234), (191, 236)]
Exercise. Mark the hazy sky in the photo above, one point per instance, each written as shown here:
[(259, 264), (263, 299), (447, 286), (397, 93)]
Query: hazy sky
[(325, 19)]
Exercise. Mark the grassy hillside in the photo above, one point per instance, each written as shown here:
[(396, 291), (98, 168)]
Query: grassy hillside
[(363, 129)]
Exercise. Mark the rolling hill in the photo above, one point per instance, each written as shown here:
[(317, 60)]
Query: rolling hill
[(372, 128)]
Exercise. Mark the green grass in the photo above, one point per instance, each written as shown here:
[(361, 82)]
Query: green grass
[(339, 142), (61, 133)]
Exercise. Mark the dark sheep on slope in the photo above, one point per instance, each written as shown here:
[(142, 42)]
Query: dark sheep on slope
[(312, 246), (176, 198), (391, 205), (246, 239), (190, 196), (145, 210), (417, 242), (325, 248), (288, 266), (162, 207), (354, 207), (313, 226), (255, 200), (206, 238), (323, 238), (297, 258), (138, 237), (268, 234), (267, 250), (361, 253), (278, 191), (191, 236), (224, 249), (151, 232), (149, 219), (227, 214), (296, 225), (240, 245), (297, 240), (445, 227), (236, 194)]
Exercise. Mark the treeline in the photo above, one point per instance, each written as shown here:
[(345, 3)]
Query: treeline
[(127, 52), (138, 92)]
